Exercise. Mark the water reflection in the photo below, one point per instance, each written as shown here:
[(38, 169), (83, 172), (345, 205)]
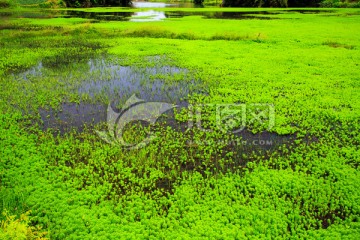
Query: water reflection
[(73, 116), (104, 80), (164, 5), (153, 5), (147, 16), (152, 15), (149, 83)]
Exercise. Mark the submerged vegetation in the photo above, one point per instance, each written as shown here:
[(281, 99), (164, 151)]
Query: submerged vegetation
[(296, 179)]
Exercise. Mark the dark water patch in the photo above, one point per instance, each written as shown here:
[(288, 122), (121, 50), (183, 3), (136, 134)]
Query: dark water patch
[(83, 116), (100, 78), (240, 15), (72, 116), (242, 147), (103, 81), (104, 16), (152, 15), (222, 15), (162, 83), (262, 140), (264, 143), (229, 153), (307, 11), (140, 16)]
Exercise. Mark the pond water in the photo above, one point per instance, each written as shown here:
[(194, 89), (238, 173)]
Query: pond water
[(147, 16), (153, 15), (72, 116), (100, 77), (153, 11), (159, 83), (103, 79)]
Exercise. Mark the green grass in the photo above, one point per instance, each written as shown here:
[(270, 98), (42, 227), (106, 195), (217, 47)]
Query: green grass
[(79, 187)]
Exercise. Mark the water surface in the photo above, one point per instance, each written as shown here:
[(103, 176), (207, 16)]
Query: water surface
[(101, 79), (153, 11)]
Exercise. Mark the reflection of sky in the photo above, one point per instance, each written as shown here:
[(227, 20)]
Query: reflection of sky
[(150, 5), (147, 16)]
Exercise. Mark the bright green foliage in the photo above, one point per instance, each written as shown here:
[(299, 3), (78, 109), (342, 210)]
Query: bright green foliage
[(79, 187), (53, 4), (340, 4), (12, 228)]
